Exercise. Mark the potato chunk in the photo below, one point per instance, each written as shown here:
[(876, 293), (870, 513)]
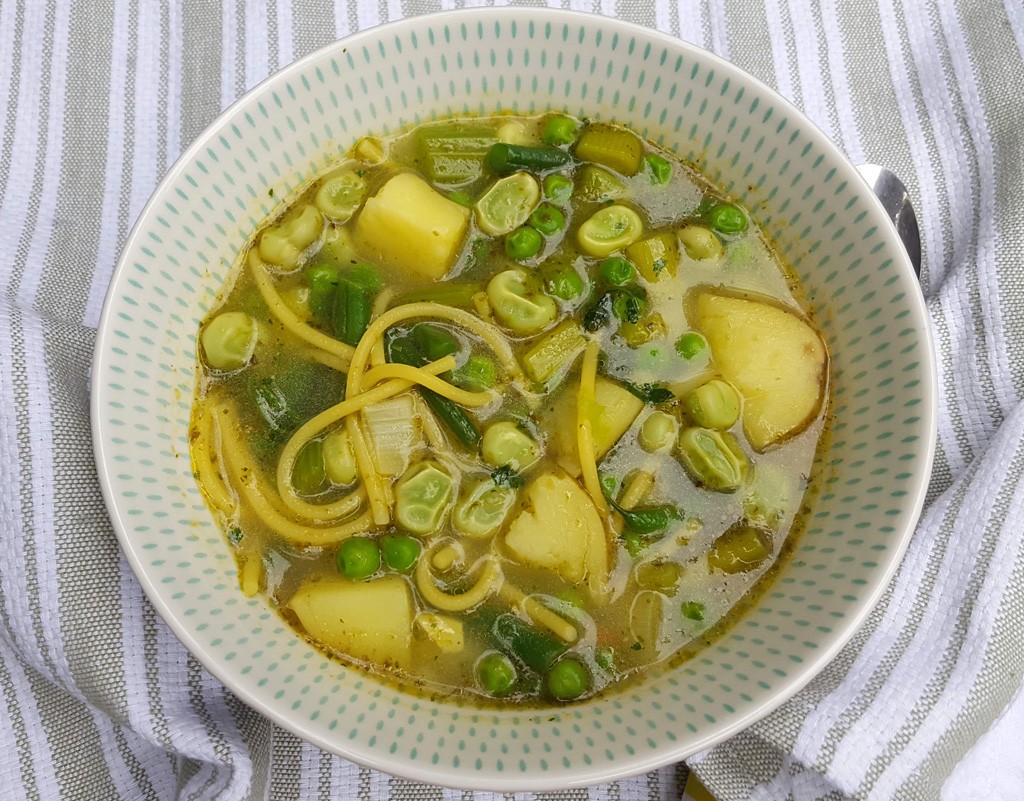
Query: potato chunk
[(410, 226), (560, 530), (773, 357), (614, 411), (369, 620)]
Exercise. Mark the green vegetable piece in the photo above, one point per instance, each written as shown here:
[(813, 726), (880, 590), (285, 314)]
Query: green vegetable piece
[(400, 551), (274, 408), (660, 167), (651, 394), (599, 312), (433, 341), (647, 520), (690, 345), (616, 271), (609, 229), (505, 476), (726, 218), (341, 195), (629, 304), (523, 243), (339, 461), (559, 130), (358, 558), (660, 576), (713, 405), (284, 243), (481, 511), (713, 460), (658, 431), (555, 350), (450, 293), (309, 474), (740, 549), (568, 679), (229, 340), (507, 204), (693, 610), (565, 284), (598, 185), (504, 443), (655, 256), (634, 543), (323, 283), (462, 198), (353, 308), (504, 158), (557, 188), (518, 304), (615, 148), (421, 497), (547, 219), (644, 330), (536, 649), (495, 674), (453, 153), (604, 656), (700, 243), (479, 373)]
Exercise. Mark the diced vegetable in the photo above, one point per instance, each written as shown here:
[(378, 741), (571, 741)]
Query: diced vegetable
[(740, 549), (714, 460), (518, 303), (394, 431), (410, 226), (229, 340), (554, 351), (616, 148), (774, 358), (505, 158), (284, 243), (714, 404), (482, 509), (444, 631), (516, 133), (700, 243), (647, 329), (560, 530), (454, 153), (609, 229), (504, 443), (655, 256), (367, 620), (507, 204), (340, 195), (421, 497)]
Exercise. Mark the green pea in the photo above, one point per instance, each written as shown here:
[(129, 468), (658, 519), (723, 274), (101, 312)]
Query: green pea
[(559, 130), (495, 673), (690, 344), (661, 168), (568, 679), (400, 551), (358, 558), (565, 285), (557, 188), (523, 243), (727, 219), (547, 219), (713, 405), (657, 431), (616, 271)]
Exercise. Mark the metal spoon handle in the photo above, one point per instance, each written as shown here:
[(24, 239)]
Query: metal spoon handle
[(889, 189)]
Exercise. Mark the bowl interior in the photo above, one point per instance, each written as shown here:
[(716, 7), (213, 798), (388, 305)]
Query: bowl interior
[(745, 139)]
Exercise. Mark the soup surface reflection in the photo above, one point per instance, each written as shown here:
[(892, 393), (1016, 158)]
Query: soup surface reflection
[(512, 408)]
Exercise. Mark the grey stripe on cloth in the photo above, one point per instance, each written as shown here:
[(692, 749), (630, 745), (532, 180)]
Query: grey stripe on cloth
[(97, 697)]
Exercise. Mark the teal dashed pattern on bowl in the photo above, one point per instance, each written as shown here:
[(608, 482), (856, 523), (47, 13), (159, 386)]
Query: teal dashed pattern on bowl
[(745, 139)]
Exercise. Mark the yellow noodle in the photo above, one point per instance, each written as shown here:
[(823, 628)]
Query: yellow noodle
[(331, 360), (380, 305), (380, 507), (288, 318), (539, 613), (431, 428), (211, 479), (585, 402), (416, 375), (487, 583)]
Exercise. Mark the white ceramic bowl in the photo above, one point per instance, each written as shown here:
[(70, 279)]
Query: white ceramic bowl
[(752, 144)]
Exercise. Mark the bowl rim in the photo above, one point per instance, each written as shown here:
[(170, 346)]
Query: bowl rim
[(374, 757)]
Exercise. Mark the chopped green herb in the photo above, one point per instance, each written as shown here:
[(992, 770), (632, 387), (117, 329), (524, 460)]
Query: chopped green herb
[(651, 394), (693, 610), (505, 476)]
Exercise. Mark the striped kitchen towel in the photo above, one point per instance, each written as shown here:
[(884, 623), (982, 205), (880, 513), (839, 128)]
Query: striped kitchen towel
[(97, 698)]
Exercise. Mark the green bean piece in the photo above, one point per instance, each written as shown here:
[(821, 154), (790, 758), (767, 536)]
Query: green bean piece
[(523, 243), (495, 674), (518, 303), (713, 460), (568, 679), (353, 308), (504, 443), (421, 497), (400, 551), (229, 340), (479, 373), (505, 159), (309, 474), (559, 130), (557, 188), (740, 549), (693, 610), (690, 345), (565, 284), (660, 167), (323, 283), (714, 404), (616, 271), (450, 293), (547, 219), (358, 558), (433, 341), (726, 218), (616, 148), (536, 649)]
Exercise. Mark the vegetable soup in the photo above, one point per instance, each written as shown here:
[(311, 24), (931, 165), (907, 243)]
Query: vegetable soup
[(511, 408)]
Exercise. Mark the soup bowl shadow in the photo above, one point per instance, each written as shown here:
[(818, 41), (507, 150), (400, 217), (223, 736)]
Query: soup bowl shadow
[(858, 285)]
